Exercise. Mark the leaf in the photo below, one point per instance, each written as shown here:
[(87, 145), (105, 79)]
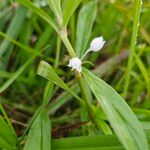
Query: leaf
[(62, 99), (39, 12), (4, 114), (144, 72), (56, 8), (123, 121), (23, 67), (84, 25), (39, 136), (101, 142), (14, 28), (43, 38), (48, 93), (69, 6), (100, 70), (45, 70), (16, 74), (8, 139), (92, 142)]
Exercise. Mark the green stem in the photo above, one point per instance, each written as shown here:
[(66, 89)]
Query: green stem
[(64, 37), (57, 51), (137, 10), (85, 97), (70, 49)]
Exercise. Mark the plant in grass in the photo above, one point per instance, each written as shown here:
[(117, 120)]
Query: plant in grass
[(120, 116)]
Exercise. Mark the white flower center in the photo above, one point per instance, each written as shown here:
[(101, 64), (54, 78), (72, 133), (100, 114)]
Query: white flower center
[(75, 63)]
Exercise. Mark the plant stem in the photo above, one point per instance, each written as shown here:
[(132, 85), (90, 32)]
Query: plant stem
[(85, 54), (137, 10), (70, 49), (57, 51), (85, 97), (64, 37)]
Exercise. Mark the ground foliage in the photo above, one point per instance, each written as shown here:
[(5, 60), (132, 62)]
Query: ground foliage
[(44, 105)]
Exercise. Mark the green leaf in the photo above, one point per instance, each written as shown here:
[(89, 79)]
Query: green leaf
[(84, 25), (4, 114), (39, 136), (144, 72), (92, 142), (48, 93), (45, 70), (23, 67), (122, 119), (16, 74), (8, 139), (56, 8), (14, 28), (85, 142), (62, 99), (69, 6), (39, 12)]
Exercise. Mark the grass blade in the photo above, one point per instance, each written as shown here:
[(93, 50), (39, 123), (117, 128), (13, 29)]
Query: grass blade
[(14, 28), (16, 74), (144, 73), (39, 12), (137, 11)]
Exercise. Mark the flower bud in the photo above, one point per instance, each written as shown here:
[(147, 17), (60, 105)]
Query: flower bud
[(75, 63), (97, 44)]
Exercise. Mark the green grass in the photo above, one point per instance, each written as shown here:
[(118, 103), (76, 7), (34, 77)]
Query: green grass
[(44, 105)]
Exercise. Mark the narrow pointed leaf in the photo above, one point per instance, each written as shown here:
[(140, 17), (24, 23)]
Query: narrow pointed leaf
[(39, 136), (69, 6), (125, 124), (14, 28), (16, 75), (39, 12), (8, 139), (55, 6), (45, 70), (84, 25)]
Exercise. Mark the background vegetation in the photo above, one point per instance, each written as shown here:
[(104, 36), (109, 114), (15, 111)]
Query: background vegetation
[(33, 107)]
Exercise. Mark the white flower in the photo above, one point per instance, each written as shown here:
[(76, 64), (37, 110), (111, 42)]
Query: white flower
[(97, 44), (75, 63)]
